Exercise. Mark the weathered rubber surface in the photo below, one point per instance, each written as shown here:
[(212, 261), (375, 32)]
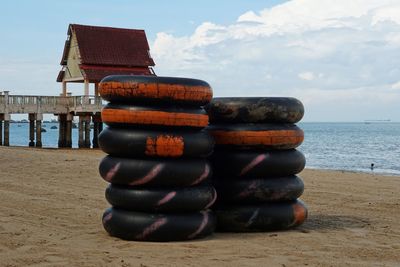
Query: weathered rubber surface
[(154, 172), (155, 89), (152, 143), (123, 115), (161, 199), (262, 217), (257, 191), (140, 226), (228, 164), (255, 110), (263, 136)]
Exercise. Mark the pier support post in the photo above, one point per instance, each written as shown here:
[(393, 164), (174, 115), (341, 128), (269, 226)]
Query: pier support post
[(68, 130), (95, 134), (1, 132), (61, 130), (96, 129), (6, 130), (39, 118), (31, 129), (100, 126), (87, 131), (81, 142)]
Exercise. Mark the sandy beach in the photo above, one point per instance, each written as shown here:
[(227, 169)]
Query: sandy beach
[(52, 201)]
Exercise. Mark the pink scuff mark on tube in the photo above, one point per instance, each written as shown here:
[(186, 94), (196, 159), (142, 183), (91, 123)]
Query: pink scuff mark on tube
[(107, 218), (203, 176), (214, 198), (151, 228), (167, 198), (253, 217), (111, 173), (257, 160), (149, 176), (202, 225)]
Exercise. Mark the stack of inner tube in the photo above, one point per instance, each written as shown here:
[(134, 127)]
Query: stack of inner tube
[(156, 164), (255, 163)]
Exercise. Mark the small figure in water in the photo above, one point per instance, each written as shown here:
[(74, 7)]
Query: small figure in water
[(372, 166)]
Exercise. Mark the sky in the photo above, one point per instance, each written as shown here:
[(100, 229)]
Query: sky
[(340, 58)]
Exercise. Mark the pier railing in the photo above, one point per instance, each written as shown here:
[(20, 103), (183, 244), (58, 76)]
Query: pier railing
[(49, 104)]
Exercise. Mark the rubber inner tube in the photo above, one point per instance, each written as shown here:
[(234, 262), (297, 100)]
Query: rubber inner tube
[(161, 199), (257, 191), (152, 143), (265, 136), (255, 110), (154, 172), (140, 226), (123, 115), (228, 164), (155, 90), (261, 217)]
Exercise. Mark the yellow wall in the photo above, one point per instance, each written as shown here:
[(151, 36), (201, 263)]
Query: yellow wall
[(73, 60)]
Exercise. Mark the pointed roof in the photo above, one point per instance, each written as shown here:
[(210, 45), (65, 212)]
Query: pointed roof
[(106, 50), (110, 46)]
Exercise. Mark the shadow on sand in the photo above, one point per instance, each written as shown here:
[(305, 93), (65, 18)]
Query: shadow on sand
[(318, 222)]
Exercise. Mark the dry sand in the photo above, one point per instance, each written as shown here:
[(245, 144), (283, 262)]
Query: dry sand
[(52, 202)]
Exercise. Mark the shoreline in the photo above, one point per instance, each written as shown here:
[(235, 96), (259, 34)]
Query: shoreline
[(356, 171), (366, 171), (53, 200)]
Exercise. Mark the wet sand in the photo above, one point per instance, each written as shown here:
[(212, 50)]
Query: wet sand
[(52, 202)]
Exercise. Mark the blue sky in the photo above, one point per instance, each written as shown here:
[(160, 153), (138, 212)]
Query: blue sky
[(341, 58), (37, 29)]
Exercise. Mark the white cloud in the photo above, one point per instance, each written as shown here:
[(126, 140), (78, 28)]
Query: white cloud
[(396, 86), (387, 13), (308, 76), (349, 45)]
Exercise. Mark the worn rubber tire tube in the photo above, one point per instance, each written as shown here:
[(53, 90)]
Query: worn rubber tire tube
[(153, 143), (254, 191), (161, 199), (257, 136), (123, 115), (255, 110), (154, 172), (239, 164), (262, 217), (140, 226), (155, 89)]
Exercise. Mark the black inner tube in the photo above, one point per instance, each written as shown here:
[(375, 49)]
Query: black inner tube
[(140, 226), (161, 199), (155, 143), (154, 172)]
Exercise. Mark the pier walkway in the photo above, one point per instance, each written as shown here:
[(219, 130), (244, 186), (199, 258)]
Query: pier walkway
[(87, 108)]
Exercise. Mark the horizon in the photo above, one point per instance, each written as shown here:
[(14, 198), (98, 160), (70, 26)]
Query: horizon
[(340, 60)]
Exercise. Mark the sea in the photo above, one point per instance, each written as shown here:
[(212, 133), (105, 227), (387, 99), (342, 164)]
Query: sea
[(333, 146)]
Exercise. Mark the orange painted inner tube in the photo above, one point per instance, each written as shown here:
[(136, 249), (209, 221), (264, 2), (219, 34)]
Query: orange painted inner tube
[(156, 89), (152, 116), (300, 213), (268, 136)]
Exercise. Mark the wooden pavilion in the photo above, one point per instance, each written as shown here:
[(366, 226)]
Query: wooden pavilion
[(92, 53)]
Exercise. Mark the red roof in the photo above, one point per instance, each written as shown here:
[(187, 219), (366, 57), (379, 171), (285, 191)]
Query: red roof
[(97, 73), (110, 49), (110, 46)]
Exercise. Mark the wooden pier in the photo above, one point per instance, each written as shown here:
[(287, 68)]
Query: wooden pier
[(87, 58), (87, 108)]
